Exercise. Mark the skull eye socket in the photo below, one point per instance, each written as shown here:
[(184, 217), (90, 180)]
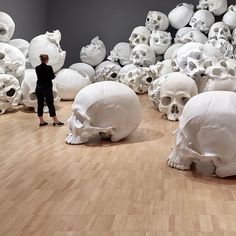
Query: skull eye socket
[(183, 64), (155, 40), (207, 64), (113, 75), (134, 35), (216, 30), (159, 18), (143, 39), (222, 63), (2, 55), (32, 96), (216, 71), (3, 31), (149, 79), (166, 101), (231, 72), (143, 53), (225, 29), (192, 66), (11, 92), (184, 100), (148, 19), (166, 41)]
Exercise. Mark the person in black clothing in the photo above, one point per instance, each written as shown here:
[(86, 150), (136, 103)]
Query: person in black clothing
[(43, 90)]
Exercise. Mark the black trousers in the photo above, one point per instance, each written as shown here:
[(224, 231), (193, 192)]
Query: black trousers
[(45, 94)]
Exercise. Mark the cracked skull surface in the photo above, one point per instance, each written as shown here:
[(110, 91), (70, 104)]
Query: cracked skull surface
[(112, 112)]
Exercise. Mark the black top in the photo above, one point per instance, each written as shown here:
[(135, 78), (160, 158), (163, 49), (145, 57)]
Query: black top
[(45, 75)]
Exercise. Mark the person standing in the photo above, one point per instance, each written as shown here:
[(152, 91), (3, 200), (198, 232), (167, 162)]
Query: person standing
[(43, 90)]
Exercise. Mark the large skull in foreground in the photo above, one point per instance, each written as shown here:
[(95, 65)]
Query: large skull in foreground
[(139, 79), (181, 15), (10, 93), (113, 112), (156, 21), (207, 133), (70, 82), (48, 43), (7, 27), (28, 91), (216, 7), (93, 53), (12, 61), (176, 89)]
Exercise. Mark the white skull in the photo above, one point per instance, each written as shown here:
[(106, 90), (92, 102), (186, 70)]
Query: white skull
[(216, 7), (84, 68), (107, 71), (229, 17), (113, 112), (139, 35), (176, 89), (156, 20), (143, 55), (124, 70), (120, 53), (180, 33), (181, 15), (10, 93), (28, 91), (190, 58), (224, 46), (219, 30), (207, 133), (202, 20), (12, 61), (164, 67), (160, 41), (7, 27), (139, 79), (169, 52), (48, 43), (93, 53), (193, 36), (70, 82), (21, 44)]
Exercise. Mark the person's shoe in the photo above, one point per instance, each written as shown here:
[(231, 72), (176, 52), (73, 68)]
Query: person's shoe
[(59, 123), (43, 124)]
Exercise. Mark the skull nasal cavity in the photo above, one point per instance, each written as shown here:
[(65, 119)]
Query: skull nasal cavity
[(2, 55), (174, 109), (11, 92)]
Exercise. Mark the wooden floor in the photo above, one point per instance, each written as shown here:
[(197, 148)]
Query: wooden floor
[(105, 189)]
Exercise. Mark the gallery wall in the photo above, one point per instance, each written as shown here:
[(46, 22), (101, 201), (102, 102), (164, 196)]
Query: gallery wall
[(30, 16)]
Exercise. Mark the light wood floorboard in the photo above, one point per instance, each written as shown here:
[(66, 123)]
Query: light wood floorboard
[(105, 189)]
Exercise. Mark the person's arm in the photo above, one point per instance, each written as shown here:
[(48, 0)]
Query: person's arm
[(51, 72)]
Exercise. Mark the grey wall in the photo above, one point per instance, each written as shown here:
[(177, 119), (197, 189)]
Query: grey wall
[(30, 16), (112, 20)]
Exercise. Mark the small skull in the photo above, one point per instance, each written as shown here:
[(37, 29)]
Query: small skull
[(181, 15), (143, 55), (112, 112), (194, 36), (156, 21), (216, 7), (160, 41), (180, 34), (176, 89), (229, 17), (202, 20), (93, 53), (140, 35), (7, 27), (120, 54), (219, 30), (10, 93)]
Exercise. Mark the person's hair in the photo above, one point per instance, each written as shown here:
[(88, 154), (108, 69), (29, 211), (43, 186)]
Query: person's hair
[(43, 58)]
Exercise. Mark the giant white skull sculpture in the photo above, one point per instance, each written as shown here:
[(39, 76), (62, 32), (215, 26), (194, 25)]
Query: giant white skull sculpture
[(219, 30), (28, 87), (181, 15), (7, 27), (224, 47), (216, 7), (190, 58), (139, 79), (176, 90), (160, 41), (12, 61), (10, 93), (107, 71), (207, 133), (113, 112), (84, 68), (202, 20), (70, 82), (169, 52), (21, 44), (48, 43), (139, 35), (229, 17), (120, 53), (156, 20), (93, 53), (143, 55)]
